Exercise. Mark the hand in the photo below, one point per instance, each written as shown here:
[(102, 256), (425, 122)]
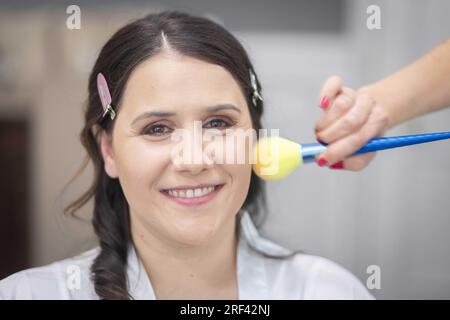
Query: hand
[(350, 120)]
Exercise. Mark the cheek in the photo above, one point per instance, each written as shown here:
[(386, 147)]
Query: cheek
[(241, 174), (238, 148), (240, 182), (140, 166), (239, 187)]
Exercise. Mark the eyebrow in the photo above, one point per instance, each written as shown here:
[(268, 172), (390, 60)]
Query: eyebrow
[(210, 109)]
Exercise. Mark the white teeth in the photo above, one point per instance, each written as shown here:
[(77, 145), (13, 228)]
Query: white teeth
[(198, 192), (191, 193)]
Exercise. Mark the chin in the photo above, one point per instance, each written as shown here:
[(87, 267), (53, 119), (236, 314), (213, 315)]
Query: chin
[(198, 239), (195, 232)]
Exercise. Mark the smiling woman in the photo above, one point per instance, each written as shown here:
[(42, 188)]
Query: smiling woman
[(176, 230)]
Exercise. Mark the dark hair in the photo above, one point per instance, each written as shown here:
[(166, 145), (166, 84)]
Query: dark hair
[(131, 45)]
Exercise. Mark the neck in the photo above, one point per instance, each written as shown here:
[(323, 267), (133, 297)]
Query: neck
[(178, 271)]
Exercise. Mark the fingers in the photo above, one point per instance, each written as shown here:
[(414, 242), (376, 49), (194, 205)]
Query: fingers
[(356, 116), (342, 104), (355, 163), (348, 145), (350, 120), (331, 88)]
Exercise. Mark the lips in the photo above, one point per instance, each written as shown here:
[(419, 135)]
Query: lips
[(190, 193), (185, 187), (192, 196)]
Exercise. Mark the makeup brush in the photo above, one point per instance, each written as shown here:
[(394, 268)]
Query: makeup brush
[(276, 157)]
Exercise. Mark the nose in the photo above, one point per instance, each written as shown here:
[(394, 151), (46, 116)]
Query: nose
[(191, 155), (193, 169)]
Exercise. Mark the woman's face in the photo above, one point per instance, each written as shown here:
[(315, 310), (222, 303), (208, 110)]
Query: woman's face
[(141, 152)]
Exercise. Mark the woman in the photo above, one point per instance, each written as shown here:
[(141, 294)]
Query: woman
[(175, 230)]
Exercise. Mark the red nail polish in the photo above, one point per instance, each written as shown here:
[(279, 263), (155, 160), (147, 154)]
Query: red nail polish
[(321, 162), (338, 165), (324, 102)]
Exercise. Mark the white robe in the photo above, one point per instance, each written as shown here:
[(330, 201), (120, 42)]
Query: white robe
[(302, 276)]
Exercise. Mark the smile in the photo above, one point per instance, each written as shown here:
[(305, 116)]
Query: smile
[(192, 196)]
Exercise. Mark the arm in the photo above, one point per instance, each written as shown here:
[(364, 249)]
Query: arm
[(419, 88), (353, 118)]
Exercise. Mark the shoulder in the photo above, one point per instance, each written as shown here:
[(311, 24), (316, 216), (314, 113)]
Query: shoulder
[(302, 276), (64, 279), (314, 277)]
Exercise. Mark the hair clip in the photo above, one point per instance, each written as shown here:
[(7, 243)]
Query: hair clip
[(256, 94), (105, 96)]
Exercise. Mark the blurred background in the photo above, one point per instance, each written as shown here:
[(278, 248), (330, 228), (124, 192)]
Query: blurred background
[(394, 214)]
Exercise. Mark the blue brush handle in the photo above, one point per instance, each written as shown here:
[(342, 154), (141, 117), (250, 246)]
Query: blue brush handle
[(310, 150)]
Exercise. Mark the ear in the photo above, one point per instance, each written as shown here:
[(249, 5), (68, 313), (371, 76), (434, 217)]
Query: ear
[(108, 155)]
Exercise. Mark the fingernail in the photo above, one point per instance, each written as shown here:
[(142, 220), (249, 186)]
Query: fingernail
[(324, 102), (338, 165), (321, 162)]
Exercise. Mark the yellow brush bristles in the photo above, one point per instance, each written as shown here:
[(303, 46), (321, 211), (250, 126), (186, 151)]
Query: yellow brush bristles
[(275, 157)]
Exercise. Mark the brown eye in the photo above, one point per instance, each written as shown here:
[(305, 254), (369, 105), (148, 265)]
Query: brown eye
[(219, 123), (156, 130)]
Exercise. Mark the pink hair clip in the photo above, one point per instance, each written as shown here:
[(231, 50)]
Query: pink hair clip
[(105, 96)]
